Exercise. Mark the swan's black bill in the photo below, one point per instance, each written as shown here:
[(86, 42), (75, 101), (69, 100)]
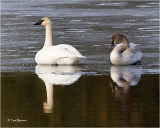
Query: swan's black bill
[(39, 23), (112, 44)]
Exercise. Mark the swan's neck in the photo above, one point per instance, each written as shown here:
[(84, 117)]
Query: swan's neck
[(124, 46), (48, 38), (125, 43)]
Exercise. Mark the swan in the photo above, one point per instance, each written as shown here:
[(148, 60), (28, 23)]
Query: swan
[(125, 53), (62, 54)]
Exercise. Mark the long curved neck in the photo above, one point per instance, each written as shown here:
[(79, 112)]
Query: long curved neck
[(124, 46), (125, 43), (48, 38)]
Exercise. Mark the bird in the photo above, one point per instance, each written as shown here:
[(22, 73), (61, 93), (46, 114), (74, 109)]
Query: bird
[(124, 53), (62, 54)]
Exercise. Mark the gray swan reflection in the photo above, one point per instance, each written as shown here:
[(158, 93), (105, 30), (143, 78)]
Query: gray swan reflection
[(56, 75), (123, 78)]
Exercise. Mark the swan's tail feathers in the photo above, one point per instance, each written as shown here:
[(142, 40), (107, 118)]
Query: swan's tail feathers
[(83, 57), (78, 58)]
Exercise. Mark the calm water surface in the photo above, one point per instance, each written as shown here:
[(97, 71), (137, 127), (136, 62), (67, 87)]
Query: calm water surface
[(92, 93)]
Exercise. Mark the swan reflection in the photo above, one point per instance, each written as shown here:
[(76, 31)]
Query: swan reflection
[(56, 75), (123, 77)]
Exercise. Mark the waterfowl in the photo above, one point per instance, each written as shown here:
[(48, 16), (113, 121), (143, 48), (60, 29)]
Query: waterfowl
[(125, 53), (62, 54)]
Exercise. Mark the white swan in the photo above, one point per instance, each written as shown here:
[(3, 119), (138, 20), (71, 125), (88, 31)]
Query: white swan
[(62, 54), (125, 53), (55, 75)]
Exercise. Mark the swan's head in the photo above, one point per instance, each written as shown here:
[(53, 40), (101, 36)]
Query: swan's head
[(44, 21), (117, 38)]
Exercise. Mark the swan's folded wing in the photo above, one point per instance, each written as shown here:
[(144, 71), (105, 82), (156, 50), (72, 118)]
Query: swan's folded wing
[(58, 52), (132, 54), (71, 49)]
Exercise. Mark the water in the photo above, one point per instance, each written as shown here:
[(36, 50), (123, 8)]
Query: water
[(92, 93), (86, 100)]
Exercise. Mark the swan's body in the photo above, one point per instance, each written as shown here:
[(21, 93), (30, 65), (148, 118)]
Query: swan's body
[(62, 54), (125, 53)]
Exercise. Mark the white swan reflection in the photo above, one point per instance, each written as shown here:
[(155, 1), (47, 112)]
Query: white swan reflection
[(56, 75), (124, 77)]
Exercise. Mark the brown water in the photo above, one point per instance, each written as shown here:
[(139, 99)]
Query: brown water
[(92, 93)]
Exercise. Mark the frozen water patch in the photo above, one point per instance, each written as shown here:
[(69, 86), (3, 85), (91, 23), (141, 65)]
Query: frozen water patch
[(144, 6), (120, 27), (11, 50), (142, 36), (130, 20), (96, 45), (153, 20), (156, 3), (59, 32), (92, 23), (33, 51), (75, 21), (30, 47), (149, 28), (77, 30), (18, 23), (24, 15), (7, 24), (157, 35), (112, 4)]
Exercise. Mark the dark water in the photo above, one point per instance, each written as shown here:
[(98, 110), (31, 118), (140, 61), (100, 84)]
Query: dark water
[(90, 101), (92, 93)]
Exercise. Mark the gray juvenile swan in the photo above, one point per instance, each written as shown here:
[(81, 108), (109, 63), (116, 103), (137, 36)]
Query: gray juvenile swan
[(62, 54), (125, 53)]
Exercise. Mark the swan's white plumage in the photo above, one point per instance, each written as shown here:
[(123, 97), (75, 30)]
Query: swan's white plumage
[(62, 54), (129, 56)]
